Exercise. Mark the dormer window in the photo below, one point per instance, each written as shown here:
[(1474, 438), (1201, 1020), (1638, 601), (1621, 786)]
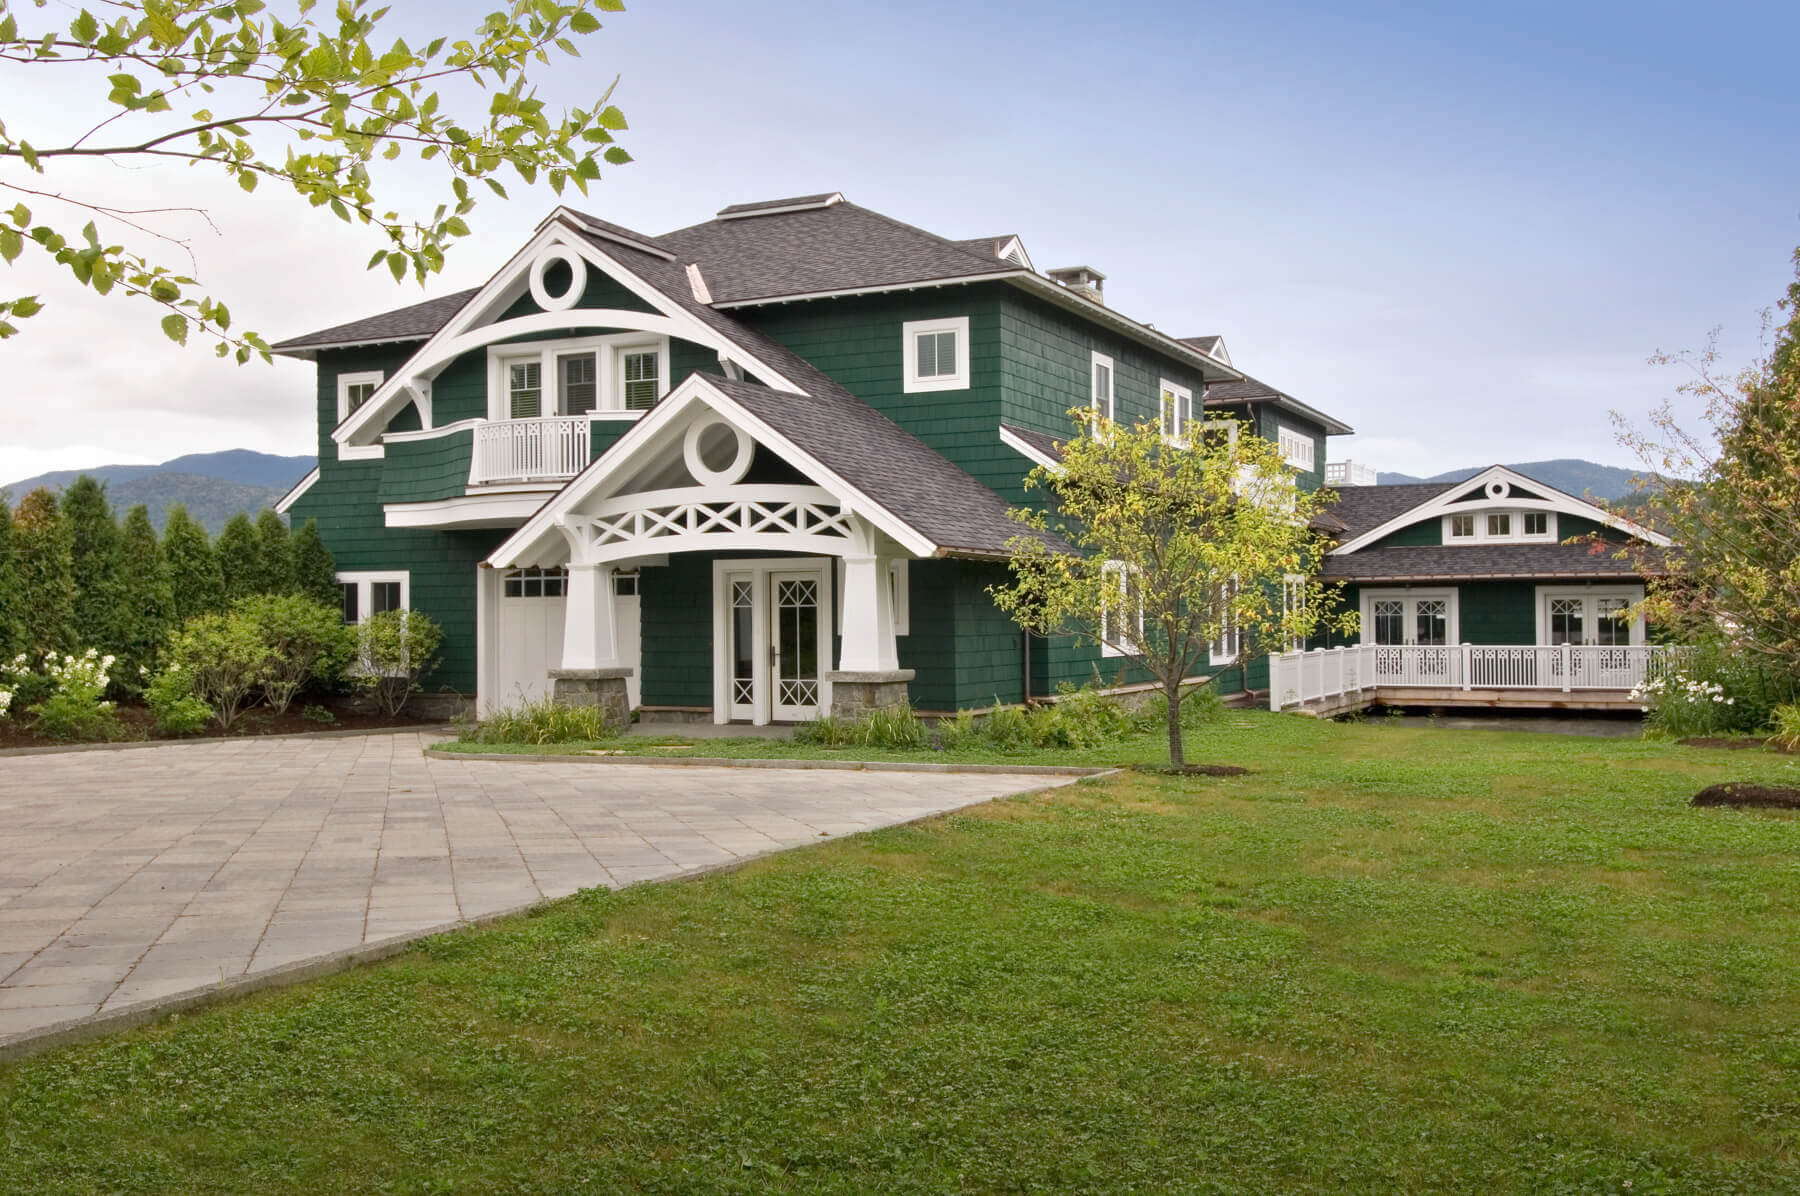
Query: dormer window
[(355, 389), (936, 354), (616, 376), (1491, 527)]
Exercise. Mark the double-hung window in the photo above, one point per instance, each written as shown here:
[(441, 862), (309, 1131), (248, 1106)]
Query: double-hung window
[(355, 389), (936, 354), (1101, 392), (640, 382), (524, 389), (1294, 602), (1225, 646), (365, 594), (1177, 411), (1121, 609)]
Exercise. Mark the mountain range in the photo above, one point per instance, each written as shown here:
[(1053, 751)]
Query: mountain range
[(213, 486), (1580, 478)]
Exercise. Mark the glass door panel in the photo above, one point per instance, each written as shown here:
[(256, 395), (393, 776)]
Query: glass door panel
[(741, 684), (794, 645)]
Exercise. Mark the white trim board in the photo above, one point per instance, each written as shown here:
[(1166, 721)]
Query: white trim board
[(306, 483), (1445, 502), (1027, 450), (1631, 593)]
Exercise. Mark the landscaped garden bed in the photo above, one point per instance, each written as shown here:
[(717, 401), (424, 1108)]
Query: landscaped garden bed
[(1391, 959), (137, 723)]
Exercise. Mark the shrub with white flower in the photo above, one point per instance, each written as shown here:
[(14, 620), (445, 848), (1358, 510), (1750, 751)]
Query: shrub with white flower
[(6, 696), (1683, 706), (76, 708)]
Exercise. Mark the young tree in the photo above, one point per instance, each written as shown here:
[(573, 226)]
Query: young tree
[(195, 582), (1157, 550), (94, 564), (239, 550), (11, 600), (46, 576), (275, 554), (146, 600), (315, 573), (307, 99), (1729, 496)]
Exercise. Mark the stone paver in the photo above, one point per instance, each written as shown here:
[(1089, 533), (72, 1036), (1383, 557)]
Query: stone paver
[(138, 875)]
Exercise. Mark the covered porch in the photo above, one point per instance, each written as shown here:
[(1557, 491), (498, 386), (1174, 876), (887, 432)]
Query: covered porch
[(771, 576)]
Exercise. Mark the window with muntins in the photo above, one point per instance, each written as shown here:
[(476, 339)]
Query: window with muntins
[(643, 379), (1500, 526), (578, 379), (355, 389), (614, 375), (365, 594), (524, 389), (1121, 609), (1177, 411), (936, 354), (1224, 648), (1297, 448), (535, 583), (1101, 395)]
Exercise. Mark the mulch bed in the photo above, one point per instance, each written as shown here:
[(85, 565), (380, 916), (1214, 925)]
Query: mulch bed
[(1194, 770), (16, 733), (1737, 743), (1748, 797)]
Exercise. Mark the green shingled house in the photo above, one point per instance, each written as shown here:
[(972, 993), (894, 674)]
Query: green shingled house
[(753, 470)]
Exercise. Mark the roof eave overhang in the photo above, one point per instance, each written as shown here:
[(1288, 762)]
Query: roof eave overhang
[(1333, 427), (1536, 575), (311, 352)]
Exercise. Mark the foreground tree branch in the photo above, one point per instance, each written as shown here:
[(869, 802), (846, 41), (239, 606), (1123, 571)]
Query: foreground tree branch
[(302, 99)]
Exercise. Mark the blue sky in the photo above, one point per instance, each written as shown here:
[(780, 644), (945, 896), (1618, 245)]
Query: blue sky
[(1461, 228)]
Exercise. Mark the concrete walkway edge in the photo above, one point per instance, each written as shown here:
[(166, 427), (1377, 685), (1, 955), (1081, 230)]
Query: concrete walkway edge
[(1020, 770)]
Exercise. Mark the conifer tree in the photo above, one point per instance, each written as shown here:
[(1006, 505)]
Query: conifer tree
[(46, 578), (275, 555), (10, 633), (315, 573), (194, 577), (146, 600), (240, 557), (94, 564)]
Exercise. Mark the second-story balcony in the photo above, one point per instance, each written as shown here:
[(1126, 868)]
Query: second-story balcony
[(549, 449)]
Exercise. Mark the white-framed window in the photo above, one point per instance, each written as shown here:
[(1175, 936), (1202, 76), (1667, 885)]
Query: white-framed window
[(617, 376), (552, 582), (1100, 393), (1121, 609), (1228, 428), (937, 354), (1297, 448), (1225, 647), (355, 389), (1177, 411), (1294, 599), (365, 594), (898, 595), (1488, 526), (1594, 615)]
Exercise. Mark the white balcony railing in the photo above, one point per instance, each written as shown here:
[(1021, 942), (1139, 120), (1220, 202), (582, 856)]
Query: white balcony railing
[(1304, 678), (552, 449)]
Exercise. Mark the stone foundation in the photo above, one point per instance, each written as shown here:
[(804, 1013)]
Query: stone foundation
[(854, 695), (604, 688)]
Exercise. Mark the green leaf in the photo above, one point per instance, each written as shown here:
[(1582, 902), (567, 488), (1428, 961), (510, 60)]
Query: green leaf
[(247, 179), (28, 306), (616, 155), (11, 243), (611, 118), (397, 264), (584, 22), (175, 327)]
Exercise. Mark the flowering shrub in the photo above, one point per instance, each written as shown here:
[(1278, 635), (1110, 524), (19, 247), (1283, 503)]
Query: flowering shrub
[(74, 709), (1681, 706)]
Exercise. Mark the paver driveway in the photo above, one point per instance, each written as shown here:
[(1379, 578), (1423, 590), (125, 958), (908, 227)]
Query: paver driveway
[(136, 875)]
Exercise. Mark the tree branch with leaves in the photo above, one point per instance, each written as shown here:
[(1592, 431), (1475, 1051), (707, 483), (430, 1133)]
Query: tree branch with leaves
[(304, 99), (1157, 550)]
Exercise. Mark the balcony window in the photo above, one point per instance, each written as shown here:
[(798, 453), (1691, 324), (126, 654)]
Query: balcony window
[(615, 376)]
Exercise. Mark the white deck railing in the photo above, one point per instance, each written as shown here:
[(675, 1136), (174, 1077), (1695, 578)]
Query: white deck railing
[(550, 449), (1305, 678)]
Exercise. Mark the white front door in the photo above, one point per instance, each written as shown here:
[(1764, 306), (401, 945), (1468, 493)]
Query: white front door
[(627, 626), (772, 631), (529, 635)]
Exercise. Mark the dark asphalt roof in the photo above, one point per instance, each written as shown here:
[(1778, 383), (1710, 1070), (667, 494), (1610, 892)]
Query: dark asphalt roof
[(839, 248), (417, 322), (1206, 344), (1478, 561), (886, 462), (763, 205), (1365, 508)]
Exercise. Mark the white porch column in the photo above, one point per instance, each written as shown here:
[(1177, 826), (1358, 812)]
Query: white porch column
[(590, 631), (868, 645)]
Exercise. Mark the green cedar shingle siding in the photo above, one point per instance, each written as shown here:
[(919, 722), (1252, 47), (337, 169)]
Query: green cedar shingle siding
[(427, 470)]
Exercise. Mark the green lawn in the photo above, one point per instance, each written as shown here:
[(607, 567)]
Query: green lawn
[(1390, 958)]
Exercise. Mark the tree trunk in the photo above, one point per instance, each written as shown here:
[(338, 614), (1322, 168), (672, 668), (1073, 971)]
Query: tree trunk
[(1176, 759)]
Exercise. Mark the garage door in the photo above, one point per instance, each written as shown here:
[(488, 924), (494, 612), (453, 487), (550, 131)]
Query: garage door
[(530, 634)]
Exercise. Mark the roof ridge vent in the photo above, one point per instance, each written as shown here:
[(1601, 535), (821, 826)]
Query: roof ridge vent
[(776, 207), (1085, 281)]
